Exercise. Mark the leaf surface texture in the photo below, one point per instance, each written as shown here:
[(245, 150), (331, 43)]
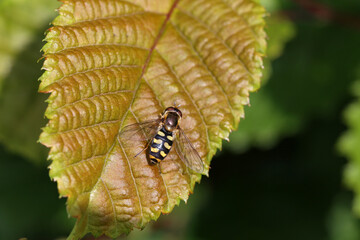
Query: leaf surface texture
[(114, 63)]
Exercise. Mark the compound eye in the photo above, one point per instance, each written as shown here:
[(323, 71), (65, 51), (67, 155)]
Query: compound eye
[(178, 112), (169, 109)]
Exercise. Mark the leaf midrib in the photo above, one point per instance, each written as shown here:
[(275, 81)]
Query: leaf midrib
[(156, 40)]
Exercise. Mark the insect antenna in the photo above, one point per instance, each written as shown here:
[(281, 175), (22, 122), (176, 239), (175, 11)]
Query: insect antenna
[(176, 105)]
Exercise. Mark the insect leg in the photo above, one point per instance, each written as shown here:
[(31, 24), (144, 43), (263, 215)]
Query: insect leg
[(147, 145)]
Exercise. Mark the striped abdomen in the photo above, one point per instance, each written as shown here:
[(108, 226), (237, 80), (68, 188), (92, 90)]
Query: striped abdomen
[(160, 146)]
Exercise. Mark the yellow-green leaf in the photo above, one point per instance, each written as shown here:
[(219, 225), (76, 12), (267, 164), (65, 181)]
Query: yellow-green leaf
[(349, 146), (112, 63)]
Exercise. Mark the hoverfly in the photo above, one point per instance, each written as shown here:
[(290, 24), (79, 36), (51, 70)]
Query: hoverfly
[(160, 135)]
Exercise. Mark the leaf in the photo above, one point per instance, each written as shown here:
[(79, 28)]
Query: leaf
[(349, 145), (21, 108), (113, 63)]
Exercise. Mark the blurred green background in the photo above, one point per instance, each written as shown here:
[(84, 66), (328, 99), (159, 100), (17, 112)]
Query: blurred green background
[(279, 177)]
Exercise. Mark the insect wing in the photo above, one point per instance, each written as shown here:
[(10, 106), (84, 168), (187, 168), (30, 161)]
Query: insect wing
[(143, 131), (188, 153)]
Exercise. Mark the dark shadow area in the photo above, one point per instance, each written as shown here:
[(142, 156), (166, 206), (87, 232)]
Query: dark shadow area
[(29, 204), (284, 193)]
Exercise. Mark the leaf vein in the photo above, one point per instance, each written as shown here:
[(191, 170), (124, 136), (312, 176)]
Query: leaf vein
[(256, 36), (94, 96), (216, 80), (84, 160), (166, 188), (146, 63), (86, 127), (103, 167), (94, 69), (134, 180), (191, 99), (106, 18), (220, 39), (112, 202), (99, 45)]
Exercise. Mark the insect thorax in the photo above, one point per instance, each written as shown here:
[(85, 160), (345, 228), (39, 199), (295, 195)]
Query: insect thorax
[(171, 121)]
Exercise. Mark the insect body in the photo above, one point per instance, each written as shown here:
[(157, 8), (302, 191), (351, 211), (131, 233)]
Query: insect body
[(160, 146), (160, 135), (163, 140)]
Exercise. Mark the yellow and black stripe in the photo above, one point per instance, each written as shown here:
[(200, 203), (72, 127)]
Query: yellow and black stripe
[(160, 146)]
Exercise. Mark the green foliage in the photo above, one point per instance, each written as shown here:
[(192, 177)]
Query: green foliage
[(29, 203), (265, 123), (349, 145), (110, 64), (21, 107), (17, 32), (343, 224)]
